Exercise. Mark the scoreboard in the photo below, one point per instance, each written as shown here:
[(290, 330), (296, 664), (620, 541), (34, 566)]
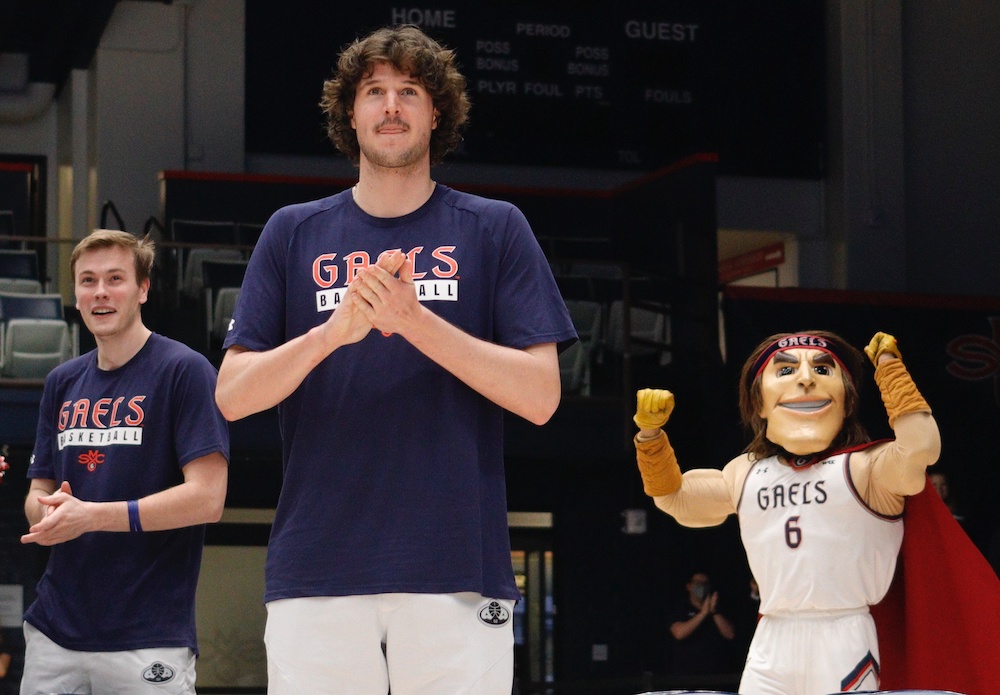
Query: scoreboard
[(633, 84)]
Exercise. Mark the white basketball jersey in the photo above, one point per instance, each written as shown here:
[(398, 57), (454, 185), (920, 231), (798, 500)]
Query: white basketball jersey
[(811, 542)]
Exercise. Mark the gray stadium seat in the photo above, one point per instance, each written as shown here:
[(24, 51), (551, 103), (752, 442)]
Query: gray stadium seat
[(27, 305), (222, 312), (207, 232), (20, 286), (221, 281), (33, 347), (649, 331), (19, 263), (576, 362), (193, 282)]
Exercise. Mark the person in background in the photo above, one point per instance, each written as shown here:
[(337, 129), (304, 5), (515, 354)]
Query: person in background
[(393, 324), (702, 635), (130, 463), (943, 487), (939, 480)]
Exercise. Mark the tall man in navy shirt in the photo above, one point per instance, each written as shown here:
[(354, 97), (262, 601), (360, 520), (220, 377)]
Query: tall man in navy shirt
[(389, 558)]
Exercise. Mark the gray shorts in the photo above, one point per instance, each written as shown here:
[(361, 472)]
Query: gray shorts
[(49, 668)]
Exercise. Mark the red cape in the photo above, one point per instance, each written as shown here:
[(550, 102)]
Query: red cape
[(939, 625)]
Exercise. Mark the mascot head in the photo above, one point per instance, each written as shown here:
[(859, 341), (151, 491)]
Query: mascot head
[(798, 395)]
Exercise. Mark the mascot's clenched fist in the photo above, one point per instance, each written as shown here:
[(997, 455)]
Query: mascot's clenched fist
[(659, 470), (653, 408), (880, 344)]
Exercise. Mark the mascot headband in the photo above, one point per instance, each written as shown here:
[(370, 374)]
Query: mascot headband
[(801, 341)]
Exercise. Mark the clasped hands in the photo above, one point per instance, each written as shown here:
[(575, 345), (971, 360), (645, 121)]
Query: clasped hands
[(710, 603), (64, 519), (380, 296)]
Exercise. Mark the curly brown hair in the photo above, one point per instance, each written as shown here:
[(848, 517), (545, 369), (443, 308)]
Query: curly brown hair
[(751, 399), (409, 50)]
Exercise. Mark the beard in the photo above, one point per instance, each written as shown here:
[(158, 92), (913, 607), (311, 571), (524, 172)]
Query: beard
[(395, 159)]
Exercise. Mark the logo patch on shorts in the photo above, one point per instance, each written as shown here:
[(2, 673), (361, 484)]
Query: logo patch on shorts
[(158, 672), (494, 614)]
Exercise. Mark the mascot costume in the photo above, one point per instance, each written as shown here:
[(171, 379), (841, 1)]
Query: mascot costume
[(822, 511)]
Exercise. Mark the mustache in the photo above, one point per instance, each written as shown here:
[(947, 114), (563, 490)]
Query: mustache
[(394, 121)]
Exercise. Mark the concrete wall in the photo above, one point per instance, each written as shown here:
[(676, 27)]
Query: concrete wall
[(169, 95)]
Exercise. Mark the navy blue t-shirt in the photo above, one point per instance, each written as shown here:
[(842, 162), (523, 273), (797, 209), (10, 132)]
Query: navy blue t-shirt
[(119, 435), (393, 468)]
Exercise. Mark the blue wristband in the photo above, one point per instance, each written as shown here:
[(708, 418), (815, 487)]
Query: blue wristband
[(133, 517)]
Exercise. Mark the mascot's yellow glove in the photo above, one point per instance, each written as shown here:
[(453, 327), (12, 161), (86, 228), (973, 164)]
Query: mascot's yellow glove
[(656, 459), (652, 408), (881, 343), (899, 393)]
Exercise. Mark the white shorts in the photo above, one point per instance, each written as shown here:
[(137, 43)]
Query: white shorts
[(823, 652), (49, 668), (422, 644)]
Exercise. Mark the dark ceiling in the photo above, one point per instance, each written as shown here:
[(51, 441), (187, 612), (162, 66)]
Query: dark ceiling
[(57, 35)]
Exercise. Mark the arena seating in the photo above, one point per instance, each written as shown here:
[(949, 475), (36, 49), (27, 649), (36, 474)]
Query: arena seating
[(221, 282), (19, 271), (34, 335)]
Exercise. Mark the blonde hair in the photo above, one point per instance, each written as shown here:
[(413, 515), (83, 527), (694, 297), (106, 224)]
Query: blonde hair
[(143, 250)]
